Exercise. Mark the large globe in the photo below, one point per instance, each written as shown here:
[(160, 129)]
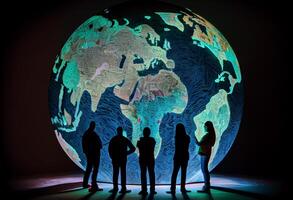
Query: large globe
[(140, 65)]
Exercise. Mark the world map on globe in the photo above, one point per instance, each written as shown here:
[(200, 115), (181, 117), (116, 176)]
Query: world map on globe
[(153, 66)]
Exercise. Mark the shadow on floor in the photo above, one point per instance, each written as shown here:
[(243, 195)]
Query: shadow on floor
[(243, 193), (71, 188), (56, 189)]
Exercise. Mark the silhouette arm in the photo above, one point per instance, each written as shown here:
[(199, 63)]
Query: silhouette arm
[(84, 145), (110, 149), (100, 142), (131, 147), (203, 141), (154, 143), (138, 144)]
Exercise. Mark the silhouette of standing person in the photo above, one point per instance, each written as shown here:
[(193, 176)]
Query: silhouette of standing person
[(205, 150), (181, 158), (91, 145), (146, 147), (119, 148)]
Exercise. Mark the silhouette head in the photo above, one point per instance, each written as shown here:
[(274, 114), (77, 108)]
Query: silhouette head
[(146, 132), (119, 130), (180, 130), (92, 125), (209, 127)]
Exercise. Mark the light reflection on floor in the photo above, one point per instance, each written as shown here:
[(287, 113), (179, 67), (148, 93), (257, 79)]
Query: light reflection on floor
[(69, 187)]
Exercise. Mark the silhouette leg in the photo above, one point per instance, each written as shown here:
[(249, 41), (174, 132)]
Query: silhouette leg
[(115, 175), (151, 169), (205, 170), (95, 172), (88, 170), (143, 176), (174, 175), (123, 174), (183, 174)]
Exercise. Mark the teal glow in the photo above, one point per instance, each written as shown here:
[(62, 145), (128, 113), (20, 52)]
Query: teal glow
[(148, 17), (54, 67), (153, 40), (221, 54), (83, 37), (89, 44), (59, 69), (137, 30), (233, 59), (60, 97), (171, 19), (166, 45), (74, 124), (143, 74), (147, 109), (59, 119), (221, 78), (216, 111), (71, 75), (151, 112), (127, 21)]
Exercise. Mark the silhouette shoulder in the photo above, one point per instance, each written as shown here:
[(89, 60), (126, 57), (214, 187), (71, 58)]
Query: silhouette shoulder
[(138, 142)]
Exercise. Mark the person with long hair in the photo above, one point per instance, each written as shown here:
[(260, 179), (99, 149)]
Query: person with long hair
[(180, 158), (205, 150)]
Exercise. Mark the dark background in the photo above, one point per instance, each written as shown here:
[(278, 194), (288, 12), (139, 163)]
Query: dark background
[(33, 33)]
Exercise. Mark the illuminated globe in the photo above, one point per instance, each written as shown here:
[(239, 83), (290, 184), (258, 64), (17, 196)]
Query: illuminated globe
[(140, 65)]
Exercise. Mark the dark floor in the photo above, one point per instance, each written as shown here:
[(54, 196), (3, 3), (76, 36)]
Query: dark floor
[(69, 187)]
